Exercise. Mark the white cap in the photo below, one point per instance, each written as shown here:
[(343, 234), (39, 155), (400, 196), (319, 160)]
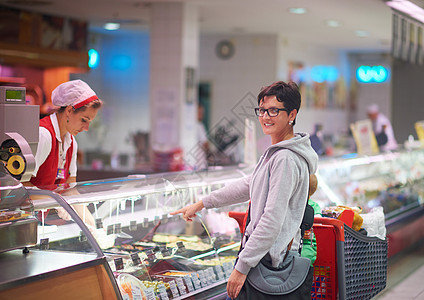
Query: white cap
[(75, 92), (372, 109)]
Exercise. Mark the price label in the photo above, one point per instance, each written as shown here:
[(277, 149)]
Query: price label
[(165, 253), (196, 282), (119, 263), (150, 293), (162, 292), (218, 269), (110, 229), (99, 223), (44, 244), (118, 228), (181, 247), (181, 286), (133, 225), (202, 278), (220, 275), (189, 283), (136, 293), (211, 275), (150, 255), (173, 288), (135, 259), (82, 237)]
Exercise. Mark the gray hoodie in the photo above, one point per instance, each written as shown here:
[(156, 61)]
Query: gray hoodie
[(278, 190)]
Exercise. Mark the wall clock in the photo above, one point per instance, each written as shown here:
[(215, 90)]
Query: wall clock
[(225, 49)]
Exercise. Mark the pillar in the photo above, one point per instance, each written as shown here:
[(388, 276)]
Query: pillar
[(173, 72)]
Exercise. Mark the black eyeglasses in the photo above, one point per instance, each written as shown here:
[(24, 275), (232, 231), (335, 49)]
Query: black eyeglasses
[(272, 111)]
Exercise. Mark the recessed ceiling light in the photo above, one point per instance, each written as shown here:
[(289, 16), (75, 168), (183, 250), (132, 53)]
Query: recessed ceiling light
[(297, 10), (333, 23), (112, 26), (361, 33)]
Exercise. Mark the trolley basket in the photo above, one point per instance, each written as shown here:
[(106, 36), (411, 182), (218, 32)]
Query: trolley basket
[(349, 265)]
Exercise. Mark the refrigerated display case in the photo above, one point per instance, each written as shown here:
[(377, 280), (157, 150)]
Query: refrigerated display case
[(392, 180), (146, 253), (149, 253)]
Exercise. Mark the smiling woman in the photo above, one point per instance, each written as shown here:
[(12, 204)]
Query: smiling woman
[(278, 97), (277, 191)]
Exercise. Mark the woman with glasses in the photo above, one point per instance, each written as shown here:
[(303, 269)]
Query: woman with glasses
[(277, 189)]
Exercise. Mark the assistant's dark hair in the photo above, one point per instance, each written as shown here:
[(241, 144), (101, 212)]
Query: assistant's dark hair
[(287, 93)]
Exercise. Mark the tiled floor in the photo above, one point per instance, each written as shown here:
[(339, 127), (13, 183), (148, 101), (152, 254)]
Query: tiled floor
[(405, 277)]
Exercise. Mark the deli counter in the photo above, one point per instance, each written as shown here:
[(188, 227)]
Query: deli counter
[(391, 181), (121, 238)]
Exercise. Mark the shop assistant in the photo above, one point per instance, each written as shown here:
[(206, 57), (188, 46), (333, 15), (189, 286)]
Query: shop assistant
[(56, 157)]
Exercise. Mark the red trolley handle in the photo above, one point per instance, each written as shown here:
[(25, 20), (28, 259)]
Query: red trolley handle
[(337, 224)]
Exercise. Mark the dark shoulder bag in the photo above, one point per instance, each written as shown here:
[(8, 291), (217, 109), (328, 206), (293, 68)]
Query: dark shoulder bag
[(293, 280)]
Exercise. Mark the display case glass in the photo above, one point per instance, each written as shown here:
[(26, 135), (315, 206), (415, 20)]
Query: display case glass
[(150, 252), (392, 180)]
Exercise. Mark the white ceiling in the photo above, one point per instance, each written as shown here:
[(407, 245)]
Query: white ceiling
[(247, 16)]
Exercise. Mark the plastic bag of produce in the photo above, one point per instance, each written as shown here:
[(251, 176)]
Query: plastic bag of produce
[(374, 222)]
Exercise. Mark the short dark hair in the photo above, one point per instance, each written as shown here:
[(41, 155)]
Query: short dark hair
[(287, 93)]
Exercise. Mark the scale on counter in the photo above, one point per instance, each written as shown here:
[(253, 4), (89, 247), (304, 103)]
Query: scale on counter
[(18, 143), (18, 132), (11, 94)]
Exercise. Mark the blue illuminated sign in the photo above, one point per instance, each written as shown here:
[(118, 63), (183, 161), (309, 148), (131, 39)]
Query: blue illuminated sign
[(93, 58), (368, 74)]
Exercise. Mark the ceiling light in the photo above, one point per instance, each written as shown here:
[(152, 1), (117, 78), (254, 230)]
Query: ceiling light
[(408, 8), (333, 23), (112, 26), (361, 33), (297, 10)]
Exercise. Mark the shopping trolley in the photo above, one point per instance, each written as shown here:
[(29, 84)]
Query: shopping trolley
[(349, 265)]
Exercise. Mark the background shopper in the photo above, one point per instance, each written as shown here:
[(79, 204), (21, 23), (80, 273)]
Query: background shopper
[(382, 128)]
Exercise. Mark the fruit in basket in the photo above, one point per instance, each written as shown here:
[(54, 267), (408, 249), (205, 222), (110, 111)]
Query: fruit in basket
[(336, 212)]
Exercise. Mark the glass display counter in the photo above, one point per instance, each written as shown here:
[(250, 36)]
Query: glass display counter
[(35, 271), (151, 254), (392, 180)]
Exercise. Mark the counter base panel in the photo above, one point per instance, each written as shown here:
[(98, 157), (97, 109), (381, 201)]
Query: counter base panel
[(36, 276), (406, 236)]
